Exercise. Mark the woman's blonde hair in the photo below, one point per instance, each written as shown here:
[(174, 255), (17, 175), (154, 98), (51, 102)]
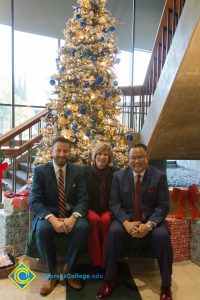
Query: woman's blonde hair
[(100, 147)]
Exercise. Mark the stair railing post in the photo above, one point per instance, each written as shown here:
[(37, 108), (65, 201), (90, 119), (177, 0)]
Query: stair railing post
[(14, 185)]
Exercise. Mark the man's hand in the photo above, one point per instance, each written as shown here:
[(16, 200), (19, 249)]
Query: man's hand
[(57, 223), (143, 230), (69, 223), (131, 227)]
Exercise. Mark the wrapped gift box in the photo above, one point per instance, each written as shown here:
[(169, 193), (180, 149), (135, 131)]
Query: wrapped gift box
[(180, 237), (14, 230), (195, 242), (14, 203)]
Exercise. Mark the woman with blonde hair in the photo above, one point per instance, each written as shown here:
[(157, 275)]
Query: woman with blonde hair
[(98, 180)]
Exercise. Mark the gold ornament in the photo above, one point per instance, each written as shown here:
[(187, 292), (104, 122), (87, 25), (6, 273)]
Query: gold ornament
[(100, 114), (62, 121), (117, 98), (74, 107)]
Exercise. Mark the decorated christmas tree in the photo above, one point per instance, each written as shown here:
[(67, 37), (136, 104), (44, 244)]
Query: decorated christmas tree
[(84, 107)]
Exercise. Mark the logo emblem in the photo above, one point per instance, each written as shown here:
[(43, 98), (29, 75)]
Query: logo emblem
[(22, 276)]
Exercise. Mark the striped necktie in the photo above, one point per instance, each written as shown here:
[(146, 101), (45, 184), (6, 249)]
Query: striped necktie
[(137, 209), (61, 190)]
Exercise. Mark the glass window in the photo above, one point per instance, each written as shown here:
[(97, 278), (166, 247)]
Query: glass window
[(23, 114), (5, 119), (5, 65), (35, 62), (124, 69), (141, 62)]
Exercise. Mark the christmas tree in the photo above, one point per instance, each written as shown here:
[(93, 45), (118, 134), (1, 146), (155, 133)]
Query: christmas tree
[(84, 104)]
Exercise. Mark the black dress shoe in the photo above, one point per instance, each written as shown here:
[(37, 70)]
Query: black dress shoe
[(165, 293), (106, 290)]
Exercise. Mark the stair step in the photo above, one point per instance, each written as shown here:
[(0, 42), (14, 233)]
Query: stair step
[(7, 184), (22, 167), (21, 177)]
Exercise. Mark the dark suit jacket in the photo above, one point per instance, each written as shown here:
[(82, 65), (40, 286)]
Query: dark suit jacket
[(154, 195), (44, 193)]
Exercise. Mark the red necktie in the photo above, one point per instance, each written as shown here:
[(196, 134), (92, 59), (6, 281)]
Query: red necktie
[(137, 209), (61, 190)]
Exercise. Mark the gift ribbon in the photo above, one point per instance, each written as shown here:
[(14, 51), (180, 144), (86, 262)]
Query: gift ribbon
[(10, 194), (17, 201), (190, 197), (3, 167)]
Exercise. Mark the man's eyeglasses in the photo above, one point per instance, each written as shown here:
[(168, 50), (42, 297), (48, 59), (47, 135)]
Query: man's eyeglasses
[(139, 157)]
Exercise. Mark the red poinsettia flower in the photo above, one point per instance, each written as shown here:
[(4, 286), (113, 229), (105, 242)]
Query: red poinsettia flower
[(3, 167)]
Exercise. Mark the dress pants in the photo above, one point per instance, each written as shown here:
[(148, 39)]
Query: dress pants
[(158, 238), (75, 240), (98, 231)]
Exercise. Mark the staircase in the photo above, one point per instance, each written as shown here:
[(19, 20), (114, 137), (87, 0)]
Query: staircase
[(19, 153), (22, 174)]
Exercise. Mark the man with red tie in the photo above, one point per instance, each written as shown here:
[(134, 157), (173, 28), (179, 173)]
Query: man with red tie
[(59, 203), (139, 204)]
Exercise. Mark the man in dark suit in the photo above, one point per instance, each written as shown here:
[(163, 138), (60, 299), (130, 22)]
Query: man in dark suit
[(59, 206), (139, 203)]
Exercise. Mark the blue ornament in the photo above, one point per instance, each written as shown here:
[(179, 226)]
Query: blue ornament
[(94, 117), (86, 84), (129, 137), (77, 8), (78, 16), (72, 52), (62, 69), (115, 83), (52, 82), (82, 24), (102, 39), (86, 53), (67, 113), (112, 28), (48, 124), (107, 94), (105, 30), (112, 146), (74, 125), (99, 79), (82, 111), (88, 133), (93, 58)]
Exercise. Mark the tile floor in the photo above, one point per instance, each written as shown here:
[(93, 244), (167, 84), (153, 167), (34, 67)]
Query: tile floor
[(186, 282)]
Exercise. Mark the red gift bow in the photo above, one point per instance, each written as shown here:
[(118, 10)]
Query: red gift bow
[(190, 196), (17, 202), (3, 167)]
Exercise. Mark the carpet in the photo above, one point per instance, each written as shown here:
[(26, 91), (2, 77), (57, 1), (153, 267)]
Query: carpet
[(91, 285)]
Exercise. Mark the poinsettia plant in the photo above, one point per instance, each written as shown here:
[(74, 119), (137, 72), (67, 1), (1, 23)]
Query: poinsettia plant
[(3, 166)]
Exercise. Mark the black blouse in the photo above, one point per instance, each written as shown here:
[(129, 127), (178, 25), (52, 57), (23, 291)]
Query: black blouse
[(93, 182)]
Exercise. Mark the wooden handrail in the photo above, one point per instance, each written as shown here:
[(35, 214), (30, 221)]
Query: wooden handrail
[(135, 90), (22, 127), (15, 152), (175, 8)]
